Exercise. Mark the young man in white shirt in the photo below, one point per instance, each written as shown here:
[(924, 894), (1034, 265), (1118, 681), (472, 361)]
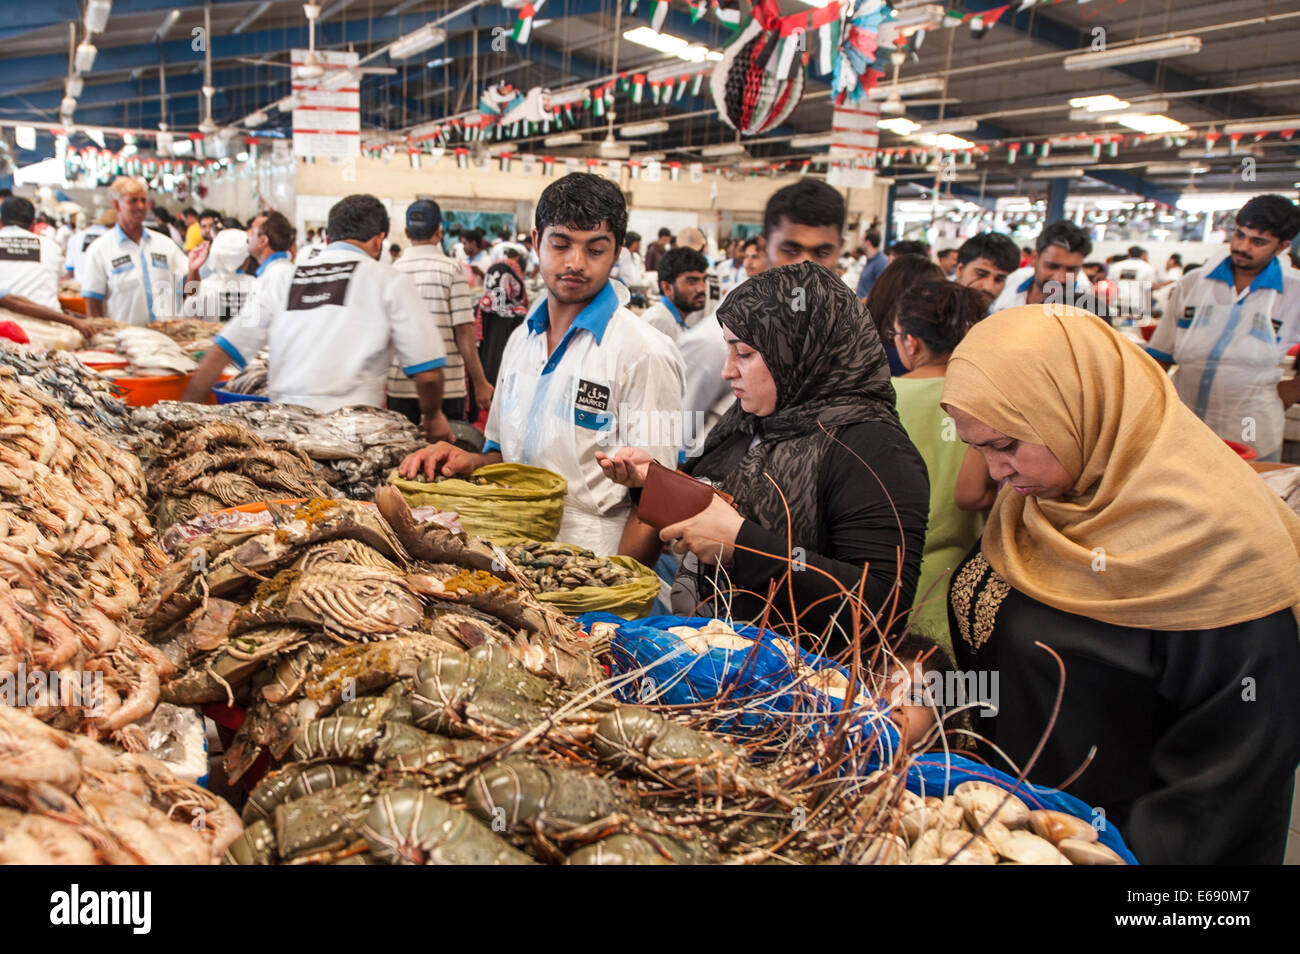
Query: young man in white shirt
[(1229, 324), (442, 286), (131, 274), (983, 263), (581, 374), (331, 327), (630, 269), (731, 270), (682, 291), (1054, 275)]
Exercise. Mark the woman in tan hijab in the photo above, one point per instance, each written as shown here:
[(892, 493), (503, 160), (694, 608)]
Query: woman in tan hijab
[(1134, 543)]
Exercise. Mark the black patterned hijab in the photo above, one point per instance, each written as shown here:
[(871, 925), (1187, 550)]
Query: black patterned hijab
[(830, 370)]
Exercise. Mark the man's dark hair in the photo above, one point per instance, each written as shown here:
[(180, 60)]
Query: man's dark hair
[(189, 210), (15, 210), (209, 214), (665, 233), (994, 246), (1087, 265), (945, 251), (584, 201), (910, 248), (632, 238), (1136, 251), (873, 236), (752, 240), (1194, 266), (1274, 214), (394, 248), (512, 252), (1065, 234), (939, 313), (278, 230), (806, 202), (1176, 259), (358, 217), (678, 261)]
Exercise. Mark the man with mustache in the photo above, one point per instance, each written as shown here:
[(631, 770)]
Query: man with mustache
[(581, 374), (1228, 325)]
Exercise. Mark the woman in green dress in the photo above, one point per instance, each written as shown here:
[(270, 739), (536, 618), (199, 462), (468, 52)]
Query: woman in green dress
[(930, 320), (1135, 590)]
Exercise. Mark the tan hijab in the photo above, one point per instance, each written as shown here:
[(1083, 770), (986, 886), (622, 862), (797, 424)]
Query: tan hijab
[(1188, 534)]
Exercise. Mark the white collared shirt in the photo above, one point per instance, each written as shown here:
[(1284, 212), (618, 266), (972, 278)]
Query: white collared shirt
[(138, 282), (30, 266), (1016, 290), (612, 381), (331, 328), (78, 244)]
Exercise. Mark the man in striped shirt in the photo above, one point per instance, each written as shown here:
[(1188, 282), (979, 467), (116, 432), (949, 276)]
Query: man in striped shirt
[(441, 282)]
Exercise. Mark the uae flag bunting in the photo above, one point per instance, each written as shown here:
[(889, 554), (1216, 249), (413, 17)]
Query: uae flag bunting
[(593, 165), (697, 84), (1112, 149), (824, 23), (656, 91), (586, 99), (1044, 150), (697, 10), (804, 167), (658, 12), (631, 7), (1012, 150), (727, 15), (634, 168), (505, 161), (462, 157), (524, 24), (638, 87), (568, 113), (682, 83), (548, 165), (1095, 149), (622, 82), (674, 171), (414, 155), (600, 105)]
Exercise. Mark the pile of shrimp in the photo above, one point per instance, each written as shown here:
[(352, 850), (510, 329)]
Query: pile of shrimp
[(65, 799), (76, 548)]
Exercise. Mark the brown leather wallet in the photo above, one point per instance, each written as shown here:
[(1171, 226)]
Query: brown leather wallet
[(670, 496)]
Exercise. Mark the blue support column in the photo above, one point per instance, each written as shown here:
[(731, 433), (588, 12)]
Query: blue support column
[(1057, 190), (887, 223)]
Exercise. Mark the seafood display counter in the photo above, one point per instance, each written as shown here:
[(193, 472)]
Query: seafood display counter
[(392, 689)]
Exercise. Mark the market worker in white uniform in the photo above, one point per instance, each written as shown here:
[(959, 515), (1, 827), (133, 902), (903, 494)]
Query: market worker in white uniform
[(331, 327), (581, 374), (79, 241), (30, 264), (1229, 324), (682, 291), (1054, 276), (131, 274)]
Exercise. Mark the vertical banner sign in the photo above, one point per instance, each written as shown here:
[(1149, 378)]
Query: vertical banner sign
[(697, 171), (328, 123), (854, 141)]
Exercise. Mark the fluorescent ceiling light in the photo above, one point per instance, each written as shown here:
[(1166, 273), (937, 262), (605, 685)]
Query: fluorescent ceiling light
[(1151, 124), (1218, 152), (165, 27), (916, 87), (667, 43), (1175, 168), (1263, 125), (1076, 173), (255, 119), (1137, 53), (417, 41), (1104, 103), (948, 126), (812, 141), (1115, 114), (926, 15), (441, 61), (900, 125), (722, 149), (563, 139), (944, 141), (289, 103), (1065, 160), (644, 129)]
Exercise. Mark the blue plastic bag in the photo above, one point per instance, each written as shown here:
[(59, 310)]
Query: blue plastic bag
[(762, 675)]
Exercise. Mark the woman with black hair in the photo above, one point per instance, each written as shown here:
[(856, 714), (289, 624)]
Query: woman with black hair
[(900, 274), (929, 321), (826, 484)]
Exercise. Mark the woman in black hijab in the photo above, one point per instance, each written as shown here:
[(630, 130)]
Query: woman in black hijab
[(500, 311), (822, 474)]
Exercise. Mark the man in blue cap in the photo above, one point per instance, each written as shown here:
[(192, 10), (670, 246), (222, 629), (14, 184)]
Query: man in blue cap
[(441, 282)]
